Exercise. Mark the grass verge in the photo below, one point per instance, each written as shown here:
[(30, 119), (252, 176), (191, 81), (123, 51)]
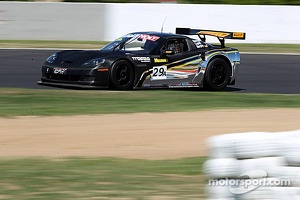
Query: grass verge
[(101, 178), (51, 44), (22, 102), (268, 48), (243, 47)]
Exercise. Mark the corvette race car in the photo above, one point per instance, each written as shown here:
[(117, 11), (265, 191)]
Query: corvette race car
[(148, 60)]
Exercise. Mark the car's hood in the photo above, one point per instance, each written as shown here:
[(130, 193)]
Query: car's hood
[(78, 57)]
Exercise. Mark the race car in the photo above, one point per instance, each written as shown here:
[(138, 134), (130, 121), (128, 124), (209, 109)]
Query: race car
[(149, 60)]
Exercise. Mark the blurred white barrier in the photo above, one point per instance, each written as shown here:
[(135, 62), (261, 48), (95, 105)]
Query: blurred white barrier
[(219, 192), (108, 21), (290, 149), (285, 193), (254, 165), (247, 145), (221, 146), (221, 168), (257, 194), (269, 164), (289, 173), (52, 21)]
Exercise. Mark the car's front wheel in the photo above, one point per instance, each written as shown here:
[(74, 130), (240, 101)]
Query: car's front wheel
[(122, 75), (217, 75)]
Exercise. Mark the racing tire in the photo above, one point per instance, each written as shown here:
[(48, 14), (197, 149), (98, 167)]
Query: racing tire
[(217, 75), (122, 75)]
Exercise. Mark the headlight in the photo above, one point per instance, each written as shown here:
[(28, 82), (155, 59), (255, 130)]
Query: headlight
[(52, 58), (94, 63)]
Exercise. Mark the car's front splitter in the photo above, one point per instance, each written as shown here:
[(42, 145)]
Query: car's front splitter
[(70, 85)]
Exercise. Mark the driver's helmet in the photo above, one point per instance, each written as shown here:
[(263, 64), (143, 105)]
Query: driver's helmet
[(175, 46)]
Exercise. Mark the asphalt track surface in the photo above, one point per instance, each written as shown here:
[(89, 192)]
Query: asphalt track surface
[(258, 73)]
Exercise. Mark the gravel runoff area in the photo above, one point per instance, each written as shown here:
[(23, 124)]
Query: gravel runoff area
[(140, 135)]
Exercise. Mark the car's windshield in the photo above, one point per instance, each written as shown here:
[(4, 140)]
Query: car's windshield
[(133, 42)]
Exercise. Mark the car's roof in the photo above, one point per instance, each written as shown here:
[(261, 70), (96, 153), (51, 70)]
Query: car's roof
[(160, 34)]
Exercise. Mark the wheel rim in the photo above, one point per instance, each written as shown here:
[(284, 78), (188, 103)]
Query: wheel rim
[(218, 74), (123, 75)]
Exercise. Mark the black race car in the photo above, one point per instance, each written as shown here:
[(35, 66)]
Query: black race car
[(148, 59)]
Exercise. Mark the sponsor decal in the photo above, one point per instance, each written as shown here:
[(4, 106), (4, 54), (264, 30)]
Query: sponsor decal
[(130, 35), (214, 33), (238, 35), (184, 85), (199, 44), (149, 37), (57, 70), (141, 59), (160, 60), (159, 73)]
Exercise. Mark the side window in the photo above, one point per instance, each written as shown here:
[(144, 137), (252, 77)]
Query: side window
[(176, 45)]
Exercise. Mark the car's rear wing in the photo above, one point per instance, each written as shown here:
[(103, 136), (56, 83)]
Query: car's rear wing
[(221, 35)]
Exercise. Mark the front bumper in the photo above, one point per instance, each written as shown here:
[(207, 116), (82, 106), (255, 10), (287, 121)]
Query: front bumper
[(74, 78)]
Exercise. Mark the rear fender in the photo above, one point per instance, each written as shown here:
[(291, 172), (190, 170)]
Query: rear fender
[(231, 57)]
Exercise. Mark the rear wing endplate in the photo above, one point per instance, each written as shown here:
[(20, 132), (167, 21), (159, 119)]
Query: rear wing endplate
[(221, 35)]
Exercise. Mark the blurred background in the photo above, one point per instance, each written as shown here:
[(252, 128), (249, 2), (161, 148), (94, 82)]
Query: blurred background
[(237, 2), (273, 22)]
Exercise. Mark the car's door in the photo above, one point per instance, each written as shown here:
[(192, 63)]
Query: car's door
[(175, 64)]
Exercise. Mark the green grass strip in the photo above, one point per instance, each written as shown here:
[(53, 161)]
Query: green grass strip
[(243, 47), (22, 102), (101, 178), (52, 44), (267, 48)]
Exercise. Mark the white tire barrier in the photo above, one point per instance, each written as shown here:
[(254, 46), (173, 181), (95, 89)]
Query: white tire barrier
[(290, 149), (257, 194), (285, 193), (255, 145), (289, 173), (221, 146), (219, 192), (268, 162), (221, 168)]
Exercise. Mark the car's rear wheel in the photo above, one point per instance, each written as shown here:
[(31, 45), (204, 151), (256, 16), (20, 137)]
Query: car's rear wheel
[(217, 75), (122, 75)]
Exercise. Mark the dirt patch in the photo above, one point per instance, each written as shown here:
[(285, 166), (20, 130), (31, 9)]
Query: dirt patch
[(139, 135)]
